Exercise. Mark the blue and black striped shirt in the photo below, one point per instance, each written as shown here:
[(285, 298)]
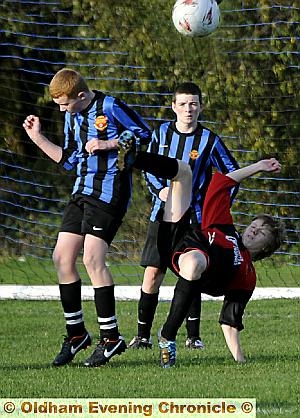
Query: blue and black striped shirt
[(97, 175), (201, 149)]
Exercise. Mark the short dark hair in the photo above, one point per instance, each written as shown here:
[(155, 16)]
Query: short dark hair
[(277, 232), (187, 88)]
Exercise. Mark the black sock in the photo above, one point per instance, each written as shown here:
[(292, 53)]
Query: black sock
[(183, 295), (158, 165), (193, 318), (146, 311), (70, 296), (106, 312)]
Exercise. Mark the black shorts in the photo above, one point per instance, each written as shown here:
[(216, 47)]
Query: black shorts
[(233, 308), (221, 272), (178, 238), (150, 254), (85, 215), (161, 240)]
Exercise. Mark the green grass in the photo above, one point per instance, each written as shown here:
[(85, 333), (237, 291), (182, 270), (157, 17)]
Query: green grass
[(34, 271), (31, 334), (280, 275)]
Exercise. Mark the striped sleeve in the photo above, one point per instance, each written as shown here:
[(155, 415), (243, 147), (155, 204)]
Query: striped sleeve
[(131, 121), (224, 161), (69, 156)]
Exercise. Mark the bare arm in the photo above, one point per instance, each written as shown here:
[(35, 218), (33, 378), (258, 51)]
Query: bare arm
[(32, 127), (232, 338), (270, 165)]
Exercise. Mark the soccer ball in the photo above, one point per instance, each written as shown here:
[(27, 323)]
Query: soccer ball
[(196, 17)]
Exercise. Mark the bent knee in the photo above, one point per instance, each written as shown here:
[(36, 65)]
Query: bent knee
[(92, 262), (58, 257), (192, 264)]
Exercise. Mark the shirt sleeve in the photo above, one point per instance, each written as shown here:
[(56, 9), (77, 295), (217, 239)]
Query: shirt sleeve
[(131, 120), (224, 161), (70, 149), (216, 208)]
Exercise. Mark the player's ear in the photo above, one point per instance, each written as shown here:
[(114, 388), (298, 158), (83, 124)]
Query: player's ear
[(81, 95)]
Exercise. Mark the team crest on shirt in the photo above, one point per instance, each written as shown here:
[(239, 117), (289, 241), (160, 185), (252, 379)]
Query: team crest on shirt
[(101, 123), (194, 154)]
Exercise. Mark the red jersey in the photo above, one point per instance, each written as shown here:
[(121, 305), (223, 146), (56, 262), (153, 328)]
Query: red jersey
[(218, 229), (229, 262)]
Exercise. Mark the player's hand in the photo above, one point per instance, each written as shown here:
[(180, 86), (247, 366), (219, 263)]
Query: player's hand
[(270, 165), (95, 144), (32, 126), (163, 194)]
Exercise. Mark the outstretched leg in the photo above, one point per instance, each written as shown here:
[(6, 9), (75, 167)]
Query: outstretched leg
[(180, 192), (179, 197)]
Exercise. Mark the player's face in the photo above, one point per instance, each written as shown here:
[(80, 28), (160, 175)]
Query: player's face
[(70, 105), (187, 108), (256, 236)]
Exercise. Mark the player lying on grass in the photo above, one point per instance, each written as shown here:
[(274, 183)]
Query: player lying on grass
[(215, 260)]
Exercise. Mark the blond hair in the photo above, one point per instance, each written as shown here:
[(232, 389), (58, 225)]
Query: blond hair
[(67, 82)]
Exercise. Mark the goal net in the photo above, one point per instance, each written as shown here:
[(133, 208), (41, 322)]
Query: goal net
[(248, 70)]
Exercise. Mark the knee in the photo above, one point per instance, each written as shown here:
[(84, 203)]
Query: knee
[(92, 263), (63, 263), (58, 257), (88, 261), (191, 265)]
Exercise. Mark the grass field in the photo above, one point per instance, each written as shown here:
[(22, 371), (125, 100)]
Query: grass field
[(31, 334), (31, 271)]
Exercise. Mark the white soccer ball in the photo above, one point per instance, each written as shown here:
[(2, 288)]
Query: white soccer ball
[(196, 17)]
